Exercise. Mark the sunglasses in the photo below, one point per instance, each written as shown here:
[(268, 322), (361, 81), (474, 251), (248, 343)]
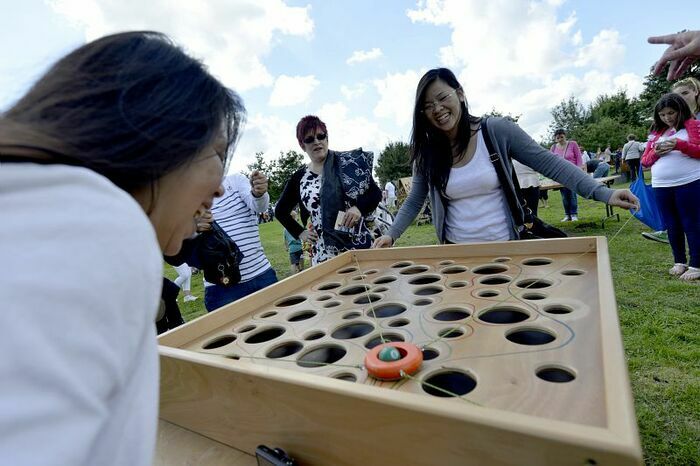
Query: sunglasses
[(318, 137)]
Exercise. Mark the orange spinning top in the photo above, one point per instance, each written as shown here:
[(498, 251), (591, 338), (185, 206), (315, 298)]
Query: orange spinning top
[(409, 362)]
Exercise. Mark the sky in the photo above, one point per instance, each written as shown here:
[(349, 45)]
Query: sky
[(356, 63)]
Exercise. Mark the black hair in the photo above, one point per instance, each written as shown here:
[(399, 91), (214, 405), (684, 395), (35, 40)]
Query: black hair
[(131, 106), (559, 131), (674, 102), (431, 151)]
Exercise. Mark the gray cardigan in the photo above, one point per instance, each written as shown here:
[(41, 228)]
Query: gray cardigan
[(509, 140)]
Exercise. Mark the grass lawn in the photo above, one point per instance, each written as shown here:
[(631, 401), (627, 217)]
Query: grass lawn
[(659, 316)]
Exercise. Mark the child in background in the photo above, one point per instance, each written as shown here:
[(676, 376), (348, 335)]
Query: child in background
[(293, 246), (673, 153)]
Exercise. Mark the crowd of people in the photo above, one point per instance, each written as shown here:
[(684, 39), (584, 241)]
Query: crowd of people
[(118, 154)]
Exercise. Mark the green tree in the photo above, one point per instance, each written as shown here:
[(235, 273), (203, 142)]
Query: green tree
[(569, 115), (258, 164), (393, 162), (606, 131), (281, 170), (656, 86), (508, 116)]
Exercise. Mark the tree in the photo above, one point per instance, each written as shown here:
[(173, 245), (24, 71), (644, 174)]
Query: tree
[(508, 116), (258, 164), (281, 170), (394, 162), (656, 86), (568, 115)]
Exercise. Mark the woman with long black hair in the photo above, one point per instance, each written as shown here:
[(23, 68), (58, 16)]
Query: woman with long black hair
[(107, 162), (452, 165)]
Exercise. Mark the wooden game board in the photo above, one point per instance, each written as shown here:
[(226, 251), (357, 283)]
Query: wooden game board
[(523, 360)]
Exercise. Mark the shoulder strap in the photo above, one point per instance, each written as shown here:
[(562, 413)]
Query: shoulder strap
[(511, 188)]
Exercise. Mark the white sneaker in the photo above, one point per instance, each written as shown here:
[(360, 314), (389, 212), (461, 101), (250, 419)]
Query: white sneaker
[(189, 297), (574, 218), (566, 219), (678, 270)]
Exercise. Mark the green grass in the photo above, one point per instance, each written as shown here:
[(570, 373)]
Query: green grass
[(659, 316)]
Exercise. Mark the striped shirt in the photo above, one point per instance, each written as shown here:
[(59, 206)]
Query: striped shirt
[(237, 213)]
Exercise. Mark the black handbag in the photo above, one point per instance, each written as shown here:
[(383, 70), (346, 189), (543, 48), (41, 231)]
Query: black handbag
[(214, 253), (529, 225)]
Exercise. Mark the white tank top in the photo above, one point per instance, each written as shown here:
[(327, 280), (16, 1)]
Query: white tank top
[(476, 210)]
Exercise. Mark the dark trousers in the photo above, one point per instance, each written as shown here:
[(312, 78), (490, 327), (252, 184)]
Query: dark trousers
[(172, 317), (216, 296), (532, 197), (633, 165), (680, 211)]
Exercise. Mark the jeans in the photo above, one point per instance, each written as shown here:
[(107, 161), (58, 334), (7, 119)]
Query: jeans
[(216, 296), (680, 212), (570, 201), (601, 170)]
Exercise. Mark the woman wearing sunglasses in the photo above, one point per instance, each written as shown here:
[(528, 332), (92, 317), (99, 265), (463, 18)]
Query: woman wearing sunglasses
[(336, 190), (453, 165)]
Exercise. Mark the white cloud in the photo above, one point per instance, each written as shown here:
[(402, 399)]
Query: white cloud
[(519, 57), (347, 132), (359, 56), (292, 90), (230, 37), (268, 134), (605, 51), (397, 96), (353, 92)]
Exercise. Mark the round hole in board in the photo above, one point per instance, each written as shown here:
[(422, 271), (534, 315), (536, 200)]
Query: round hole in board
[(448, 383)]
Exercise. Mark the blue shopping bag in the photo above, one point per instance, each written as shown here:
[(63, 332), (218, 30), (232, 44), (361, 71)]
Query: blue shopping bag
[(648, 212)]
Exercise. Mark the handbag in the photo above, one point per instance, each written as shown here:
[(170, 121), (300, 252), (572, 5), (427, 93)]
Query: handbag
[(214, 253), (648, 212), (529, 225)]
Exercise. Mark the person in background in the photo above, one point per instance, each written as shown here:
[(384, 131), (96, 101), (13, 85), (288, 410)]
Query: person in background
[(569, 151), (293, 247), (673, 153), (184, 281), (335, 190), (632, 152), (529, 182), (452, 165), (689, 89), (107, 161), (617, 155), (683, 50), (390, 190), (236, 212)]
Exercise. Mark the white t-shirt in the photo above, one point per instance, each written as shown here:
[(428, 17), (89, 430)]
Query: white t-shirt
[(81, 281), (237, 213), (476, 210), (390, 189), (675, 168)]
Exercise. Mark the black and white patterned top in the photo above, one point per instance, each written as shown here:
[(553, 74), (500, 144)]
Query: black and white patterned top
[(309, 191)]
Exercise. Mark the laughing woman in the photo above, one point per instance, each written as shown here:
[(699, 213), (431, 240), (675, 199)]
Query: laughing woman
[(452, 165), (105, 164), (332, 182)]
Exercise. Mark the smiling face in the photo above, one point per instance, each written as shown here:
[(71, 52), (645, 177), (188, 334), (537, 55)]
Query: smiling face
[(184, 194), (689, 95), (442, 106), (315, 145), (669, 116)]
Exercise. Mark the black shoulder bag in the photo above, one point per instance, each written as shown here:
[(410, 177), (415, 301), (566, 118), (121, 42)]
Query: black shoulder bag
[(530, 226), (214, 253)]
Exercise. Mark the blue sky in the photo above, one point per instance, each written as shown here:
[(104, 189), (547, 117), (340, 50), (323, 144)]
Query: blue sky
[(293, 58)]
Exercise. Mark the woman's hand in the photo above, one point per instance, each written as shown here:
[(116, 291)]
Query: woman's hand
[(352, 216), (663, 148), (384, 241), (308, 236), (204, 221), (625, 199)]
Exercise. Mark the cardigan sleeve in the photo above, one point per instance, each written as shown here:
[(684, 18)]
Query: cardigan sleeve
[(649, 157), (289, 199), (411, 206), (688, 148)]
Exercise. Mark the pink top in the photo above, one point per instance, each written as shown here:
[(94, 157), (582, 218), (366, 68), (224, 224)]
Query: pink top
[(571, 152)]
